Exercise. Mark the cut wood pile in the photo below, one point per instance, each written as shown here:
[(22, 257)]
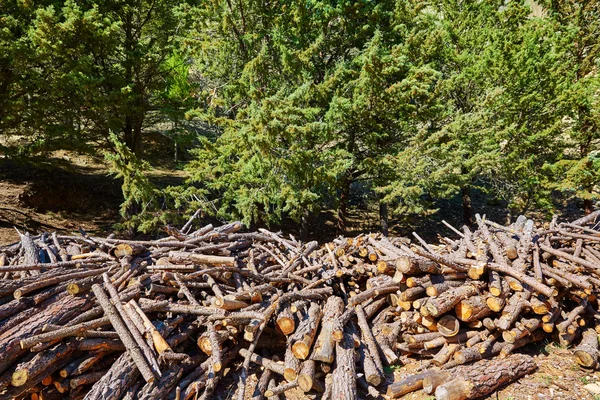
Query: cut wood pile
[(198, 312)]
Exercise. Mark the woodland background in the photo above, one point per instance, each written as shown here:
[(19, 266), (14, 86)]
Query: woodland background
[(288, 113)]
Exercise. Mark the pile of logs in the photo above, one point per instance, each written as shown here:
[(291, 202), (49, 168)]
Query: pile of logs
[(201, 311)]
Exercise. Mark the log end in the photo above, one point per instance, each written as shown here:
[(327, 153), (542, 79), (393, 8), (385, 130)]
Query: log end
[(586, 359), (305, 383), (300, 350), (19, 377), (286, 325), (217, 366), (453, 390), (73, 289), (290, 375), (463, 311)]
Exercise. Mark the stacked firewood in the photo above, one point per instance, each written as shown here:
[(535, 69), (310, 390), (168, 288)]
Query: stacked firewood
[(198, 312)]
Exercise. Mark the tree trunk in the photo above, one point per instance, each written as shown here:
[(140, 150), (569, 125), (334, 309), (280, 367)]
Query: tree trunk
[(305, 226), (343, 207), (383, 218), (588, 206), (466, 205)]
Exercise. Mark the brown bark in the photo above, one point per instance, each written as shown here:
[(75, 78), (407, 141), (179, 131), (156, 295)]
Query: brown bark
[(124, 334), (331, 326), (587, 354), (344, 374), (484, 377), (447, 300), (303, 339)]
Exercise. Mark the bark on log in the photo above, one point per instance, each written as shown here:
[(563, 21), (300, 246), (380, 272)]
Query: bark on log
[(484, 377), (303, 338), (124, 334), (587, 354), (324, 349), (344, 375)]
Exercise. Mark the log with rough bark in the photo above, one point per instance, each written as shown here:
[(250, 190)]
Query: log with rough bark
[(324, 349), (304, 336), (484, 377), (587, 353), (344, 374)]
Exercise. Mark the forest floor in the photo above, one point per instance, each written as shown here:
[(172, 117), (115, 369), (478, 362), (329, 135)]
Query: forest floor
[(62, 193), (66, 192)]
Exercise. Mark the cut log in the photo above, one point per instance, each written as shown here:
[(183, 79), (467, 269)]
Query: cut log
[(330, 328), (344, 375), (587, 354), (303, 338), (447, 300), (407, 385), (484, 377), (448, 325)]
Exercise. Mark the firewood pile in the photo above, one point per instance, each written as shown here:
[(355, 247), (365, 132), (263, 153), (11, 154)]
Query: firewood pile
[(195, 314)]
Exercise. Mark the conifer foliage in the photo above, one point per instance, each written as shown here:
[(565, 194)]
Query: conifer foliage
[(288, 108)]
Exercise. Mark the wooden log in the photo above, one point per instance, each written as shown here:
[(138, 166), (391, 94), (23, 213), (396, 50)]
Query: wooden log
[(292, 363), (516, 304), (331, 327), (445, 353), (262, 385), (368, 339), (372, 374), (587, 354), (438, 288), (160, 344), (43, 364), (205, 344), (135, 332), (447, 300), (281, 389), (182, 257), (85, 379), (508, 348), (115, 382), (407, 385), (484, 377), (524, 328), (306, 377), (124, 334), (373, 292), (286, 321), (303, 338), (416, 265), (344, 375), (73, 330), (446, 261), (448, 325), (57, 310), (411, 294), (42, 283), (81, 364), (265, 362)]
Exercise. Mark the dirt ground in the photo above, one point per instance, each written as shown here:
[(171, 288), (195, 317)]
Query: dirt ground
[(61, 193)]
